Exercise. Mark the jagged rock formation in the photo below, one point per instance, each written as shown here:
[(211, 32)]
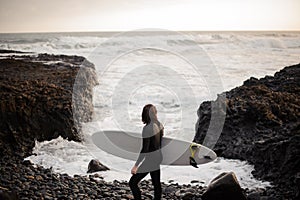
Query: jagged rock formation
[(262, 126), (37, 100)]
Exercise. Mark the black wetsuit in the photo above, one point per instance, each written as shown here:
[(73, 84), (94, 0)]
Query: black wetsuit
[(152, 156)]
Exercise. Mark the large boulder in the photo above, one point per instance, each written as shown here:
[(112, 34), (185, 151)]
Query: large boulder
[(37, 100), (224, 186), (262, 126), (95, 166)]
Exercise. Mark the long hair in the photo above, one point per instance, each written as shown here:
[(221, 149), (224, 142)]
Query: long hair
[(145, 114)]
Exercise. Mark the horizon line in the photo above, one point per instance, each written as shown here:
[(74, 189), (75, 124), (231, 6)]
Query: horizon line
[(145, 30)]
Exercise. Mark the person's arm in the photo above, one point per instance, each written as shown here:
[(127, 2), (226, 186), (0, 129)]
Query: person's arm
[(145, 149)]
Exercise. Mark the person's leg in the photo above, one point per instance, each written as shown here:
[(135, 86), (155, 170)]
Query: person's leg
[(155, 177), (133, 184)]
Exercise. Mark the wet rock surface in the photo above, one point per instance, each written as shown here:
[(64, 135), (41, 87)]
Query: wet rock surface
[(36, 99), (262, 126), (224, 186), (95, 166)]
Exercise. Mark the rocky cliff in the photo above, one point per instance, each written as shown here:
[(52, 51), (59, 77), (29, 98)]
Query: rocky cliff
[(262, 126), (37, 99)]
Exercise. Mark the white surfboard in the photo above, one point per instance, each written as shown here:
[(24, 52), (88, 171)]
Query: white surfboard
[(128, 145)]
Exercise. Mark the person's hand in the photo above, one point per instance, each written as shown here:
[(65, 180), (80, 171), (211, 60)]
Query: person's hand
[(134, 169)]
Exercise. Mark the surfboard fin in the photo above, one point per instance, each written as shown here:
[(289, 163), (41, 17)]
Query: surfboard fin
[(193, 162), (193, 149)]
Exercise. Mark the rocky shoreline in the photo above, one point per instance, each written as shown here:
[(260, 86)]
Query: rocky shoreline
[(36, 99), (26, 181), (36, 104), (262, 126)]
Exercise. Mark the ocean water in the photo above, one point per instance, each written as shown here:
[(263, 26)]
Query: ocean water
[(174, 71)]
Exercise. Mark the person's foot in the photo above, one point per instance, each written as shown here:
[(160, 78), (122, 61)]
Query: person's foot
[(193, 162)]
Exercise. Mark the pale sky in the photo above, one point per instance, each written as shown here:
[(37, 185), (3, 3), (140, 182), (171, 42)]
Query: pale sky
[(120, 15)]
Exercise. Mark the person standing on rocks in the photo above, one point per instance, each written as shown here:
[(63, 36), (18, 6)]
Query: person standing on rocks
[(150, 156)]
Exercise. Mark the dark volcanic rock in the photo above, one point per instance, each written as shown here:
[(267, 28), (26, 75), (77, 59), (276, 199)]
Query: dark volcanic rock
[(8, 195), (95, 166), (36, 99), (262, 126), (224, 186)]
